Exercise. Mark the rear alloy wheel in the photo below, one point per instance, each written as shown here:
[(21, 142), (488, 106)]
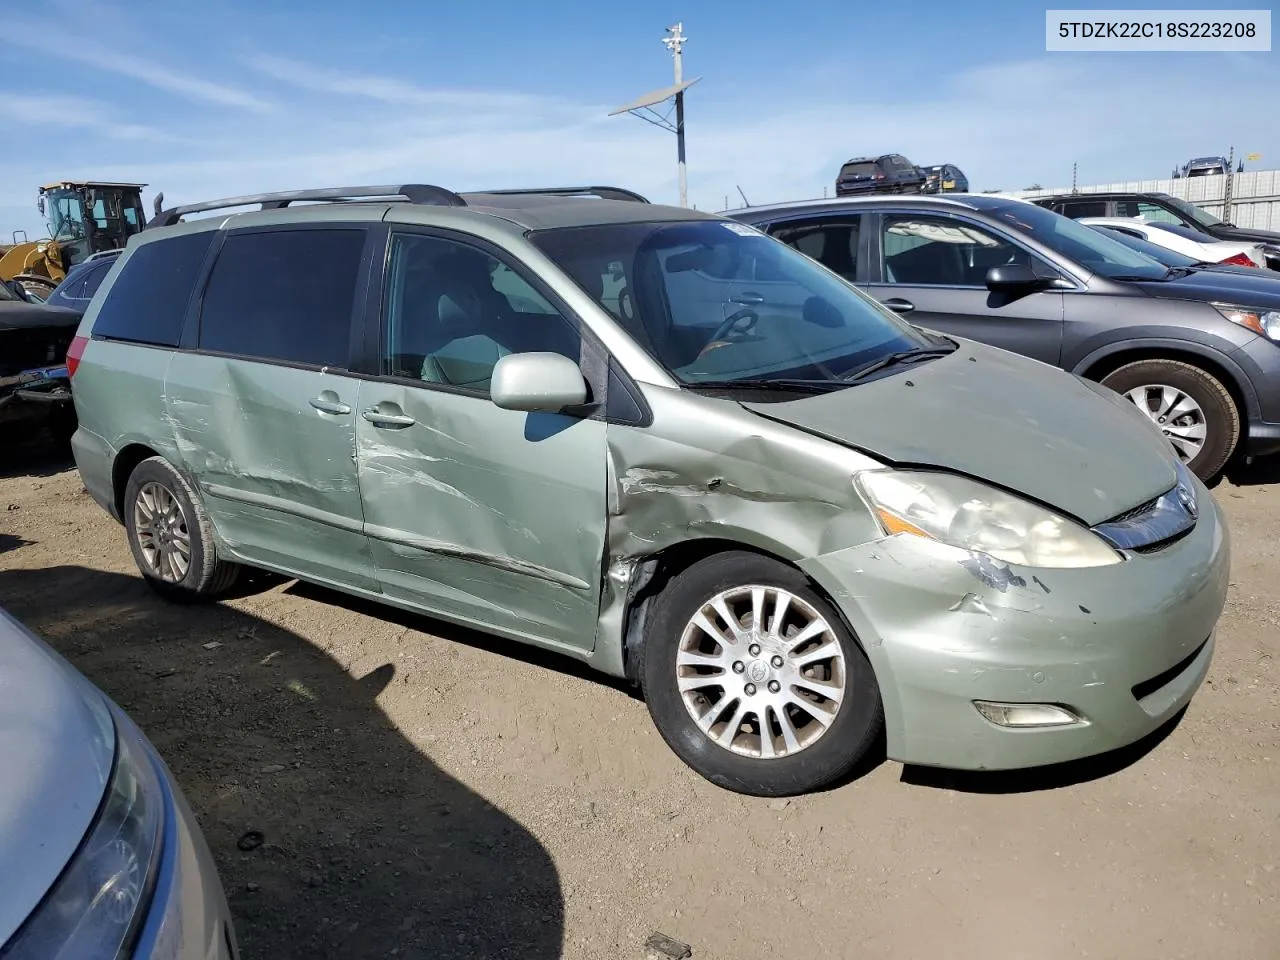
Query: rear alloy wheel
[(1190, 406), (754, 681), (171, 536)]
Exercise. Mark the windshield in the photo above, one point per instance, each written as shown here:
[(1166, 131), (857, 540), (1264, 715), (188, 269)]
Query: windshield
[(1193, 213), (1156, 252), (1086, 246), (713, 300), (66, 215)]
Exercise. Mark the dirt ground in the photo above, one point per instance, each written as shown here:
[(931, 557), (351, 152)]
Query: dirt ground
[(426, 791)]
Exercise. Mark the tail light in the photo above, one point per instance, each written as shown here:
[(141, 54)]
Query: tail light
[(74, 353), (878, 176), (1239, 260)]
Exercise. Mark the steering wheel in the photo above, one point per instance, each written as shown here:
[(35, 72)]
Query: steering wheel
[(738, 323)]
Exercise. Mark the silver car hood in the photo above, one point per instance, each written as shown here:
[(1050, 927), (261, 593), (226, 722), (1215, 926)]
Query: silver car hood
[(57, 744), (1002, 418)]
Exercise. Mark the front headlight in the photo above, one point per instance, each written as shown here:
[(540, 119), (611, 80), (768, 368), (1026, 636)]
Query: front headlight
[(1265, 323), (972, 516), (94, 910)]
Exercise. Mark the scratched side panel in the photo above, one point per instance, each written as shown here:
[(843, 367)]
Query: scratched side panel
[(277, 476)]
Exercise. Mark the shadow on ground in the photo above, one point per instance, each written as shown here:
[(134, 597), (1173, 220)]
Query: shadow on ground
[(32, 455), (370, 849), (1053, 777), (1262, 471), (478, 639)]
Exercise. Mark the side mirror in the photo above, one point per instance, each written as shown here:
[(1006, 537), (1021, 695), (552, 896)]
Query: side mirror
[(1013, 276), (537, 383)]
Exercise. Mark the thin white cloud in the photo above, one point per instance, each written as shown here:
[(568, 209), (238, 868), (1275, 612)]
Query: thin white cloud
[(55, 41), (44, 112), (390, 90)]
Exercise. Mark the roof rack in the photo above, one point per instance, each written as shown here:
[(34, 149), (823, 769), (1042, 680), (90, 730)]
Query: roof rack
[(603, 193), (413, 192)]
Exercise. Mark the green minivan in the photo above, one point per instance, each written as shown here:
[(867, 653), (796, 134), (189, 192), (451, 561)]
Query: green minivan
[(662, 443)]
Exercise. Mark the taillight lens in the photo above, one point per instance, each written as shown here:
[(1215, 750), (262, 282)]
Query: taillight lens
[(879, 176), (1239, 260), (74, 353)]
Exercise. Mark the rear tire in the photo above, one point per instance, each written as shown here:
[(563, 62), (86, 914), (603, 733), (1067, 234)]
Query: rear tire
[(1162, 388), (712, 700), (171, 536)]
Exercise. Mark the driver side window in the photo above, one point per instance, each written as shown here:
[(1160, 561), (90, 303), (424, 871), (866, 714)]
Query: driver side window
[(452, 311), (943, 252)]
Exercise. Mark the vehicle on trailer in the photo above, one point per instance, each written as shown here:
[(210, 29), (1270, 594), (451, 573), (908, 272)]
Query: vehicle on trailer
[(888, 173), (1196, 351), (1204, 167), (944, 178), (658, 441), (84, 217), (1160, 208)]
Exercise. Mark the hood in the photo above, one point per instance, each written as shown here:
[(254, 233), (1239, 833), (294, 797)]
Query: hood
[(1002, 418), (57, 741), (19, 315), (1247, 233), (1253, 287)]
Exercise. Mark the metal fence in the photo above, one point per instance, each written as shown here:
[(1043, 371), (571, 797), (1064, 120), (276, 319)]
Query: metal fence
[(1254, 196)]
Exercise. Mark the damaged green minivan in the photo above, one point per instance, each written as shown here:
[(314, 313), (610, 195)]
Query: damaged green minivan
[(665, 444)]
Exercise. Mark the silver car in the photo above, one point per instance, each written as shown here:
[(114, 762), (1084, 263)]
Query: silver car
[(100, 856)]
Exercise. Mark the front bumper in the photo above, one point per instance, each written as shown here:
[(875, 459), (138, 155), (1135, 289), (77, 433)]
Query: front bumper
[(1259, 359), (940, 637), (188, 918)]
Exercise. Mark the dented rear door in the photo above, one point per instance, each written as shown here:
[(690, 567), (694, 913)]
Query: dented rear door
[(483, 515), (263, 408)]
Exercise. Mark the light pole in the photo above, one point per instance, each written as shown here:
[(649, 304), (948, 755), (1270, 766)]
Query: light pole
[(642, 107)]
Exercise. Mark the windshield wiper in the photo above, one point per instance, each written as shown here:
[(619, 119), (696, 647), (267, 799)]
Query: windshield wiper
[(893, 359), (792, 385)]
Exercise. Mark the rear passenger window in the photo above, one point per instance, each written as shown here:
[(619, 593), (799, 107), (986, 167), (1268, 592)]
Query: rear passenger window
[(1075, 209), (284, 295), (148, 301), (93, 280)]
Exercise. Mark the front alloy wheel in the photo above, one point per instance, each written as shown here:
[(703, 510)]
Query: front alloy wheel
[(760, 671), (754, 680)]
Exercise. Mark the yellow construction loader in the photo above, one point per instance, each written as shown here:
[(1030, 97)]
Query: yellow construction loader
[(84, 218)]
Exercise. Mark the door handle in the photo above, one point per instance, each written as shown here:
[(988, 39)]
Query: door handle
[(380, 419), (898, 305), (752, 299), (329, 405)]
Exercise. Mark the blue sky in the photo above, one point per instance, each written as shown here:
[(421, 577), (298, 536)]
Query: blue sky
[(224, 97)]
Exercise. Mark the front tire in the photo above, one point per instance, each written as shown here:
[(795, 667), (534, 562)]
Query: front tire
[(1189, 405), (754, 681), (171, 536)]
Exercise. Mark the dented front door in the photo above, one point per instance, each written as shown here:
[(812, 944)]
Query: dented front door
[(489, 516)]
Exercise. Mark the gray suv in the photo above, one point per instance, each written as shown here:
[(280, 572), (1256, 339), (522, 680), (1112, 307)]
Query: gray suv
[(1196, 351)]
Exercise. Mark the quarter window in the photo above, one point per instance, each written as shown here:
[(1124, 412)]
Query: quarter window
[(148, 301), (453, 311), (284, 295), (940, 251)]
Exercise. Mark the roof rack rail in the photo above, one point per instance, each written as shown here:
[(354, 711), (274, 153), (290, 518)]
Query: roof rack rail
[(604, 193), (413, 192)]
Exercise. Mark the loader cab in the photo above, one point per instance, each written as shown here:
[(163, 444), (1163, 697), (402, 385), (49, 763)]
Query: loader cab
[(86, 218)]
